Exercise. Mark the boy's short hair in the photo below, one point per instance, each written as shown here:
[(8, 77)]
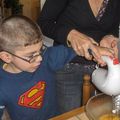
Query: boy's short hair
[(18, 31)]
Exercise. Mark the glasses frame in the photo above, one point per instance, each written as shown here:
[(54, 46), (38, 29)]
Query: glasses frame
[(30, 60)]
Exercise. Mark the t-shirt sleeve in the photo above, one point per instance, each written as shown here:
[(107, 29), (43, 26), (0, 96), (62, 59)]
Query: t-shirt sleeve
[(59, 56)]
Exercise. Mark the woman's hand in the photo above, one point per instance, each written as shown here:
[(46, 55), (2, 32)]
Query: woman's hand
[(110, 41), (81, 43)]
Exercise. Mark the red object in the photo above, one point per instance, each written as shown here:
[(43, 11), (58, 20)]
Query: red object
[(115, 61)]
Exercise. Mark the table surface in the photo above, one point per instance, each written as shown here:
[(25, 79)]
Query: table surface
[(76, 114)]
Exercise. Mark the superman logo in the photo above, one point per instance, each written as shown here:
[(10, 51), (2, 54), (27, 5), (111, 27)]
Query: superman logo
[(34, 97)]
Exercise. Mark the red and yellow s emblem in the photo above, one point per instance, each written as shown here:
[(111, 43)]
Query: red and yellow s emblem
[(34, 97)]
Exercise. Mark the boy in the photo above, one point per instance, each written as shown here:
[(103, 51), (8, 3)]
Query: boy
[(27, 86)]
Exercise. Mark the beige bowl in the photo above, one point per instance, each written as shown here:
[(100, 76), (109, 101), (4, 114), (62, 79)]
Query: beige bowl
[(99, 107)]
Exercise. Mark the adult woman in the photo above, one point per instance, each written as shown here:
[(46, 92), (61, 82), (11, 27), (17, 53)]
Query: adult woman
[(81, 24)]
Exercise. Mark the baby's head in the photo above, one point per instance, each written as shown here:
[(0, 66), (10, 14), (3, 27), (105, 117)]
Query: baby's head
[(18, 31)]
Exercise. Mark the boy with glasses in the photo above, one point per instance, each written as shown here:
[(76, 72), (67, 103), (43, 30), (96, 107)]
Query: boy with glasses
[(27, 85)]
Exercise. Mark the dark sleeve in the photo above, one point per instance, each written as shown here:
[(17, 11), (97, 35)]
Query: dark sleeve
[(1, 105), (59, 56), (115, 30), (48, 18), (1, 114)]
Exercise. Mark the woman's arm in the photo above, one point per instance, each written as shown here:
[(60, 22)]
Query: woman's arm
[(49, 15)]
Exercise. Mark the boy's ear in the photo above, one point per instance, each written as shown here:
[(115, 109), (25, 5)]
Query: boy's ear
[(6, 57)]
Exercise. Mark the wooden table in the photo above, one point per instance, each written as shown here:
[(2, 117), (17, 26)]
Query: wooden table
[(76, 114)]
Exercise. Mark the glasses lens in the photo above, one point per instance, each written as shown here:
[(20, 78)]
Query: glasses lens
[(41, 53), (34, 58)]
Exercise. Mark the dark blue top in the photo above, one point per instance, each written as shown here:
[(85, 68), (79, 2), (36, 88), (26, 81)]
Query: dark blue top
[(32, 96)]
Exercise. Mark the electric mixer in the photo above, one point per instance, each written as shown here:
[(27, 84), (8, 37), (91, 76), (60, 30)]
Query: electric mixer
[(108, 82)]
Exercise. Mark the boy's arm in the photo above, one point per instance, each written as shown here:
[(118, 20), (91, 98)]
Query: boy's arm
[(59, 56)]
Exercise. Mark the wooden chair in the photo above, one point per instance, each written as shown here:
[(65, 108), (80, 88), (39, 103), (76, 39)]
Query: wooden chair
[(88, 88)]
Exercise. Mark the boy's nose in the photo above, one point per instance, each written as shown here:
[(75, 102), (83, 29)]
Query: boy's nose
[(39, 58)]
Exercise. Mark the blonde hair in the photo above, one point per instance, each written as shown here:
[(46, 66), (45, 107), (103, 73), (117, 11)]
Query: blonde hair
[(18, 31)]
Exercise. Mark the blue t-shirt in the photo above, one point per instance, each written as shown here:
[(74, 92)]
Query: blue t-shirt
[(32, 96)]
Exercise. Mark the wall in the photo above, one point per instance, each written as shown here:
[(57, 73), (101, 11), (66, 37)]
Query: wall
[(31, 8)]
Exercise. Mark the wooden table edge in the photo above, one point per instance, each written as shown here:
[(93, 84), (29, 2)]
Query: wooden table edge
[(69, 114)]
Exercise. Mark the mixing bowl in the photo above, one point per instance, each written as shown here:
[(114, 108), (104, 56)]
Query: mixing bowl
[(100, 107)]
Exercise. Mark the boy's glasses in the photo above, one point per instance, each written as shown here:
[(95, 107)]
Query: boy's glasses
[(33, 57)]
